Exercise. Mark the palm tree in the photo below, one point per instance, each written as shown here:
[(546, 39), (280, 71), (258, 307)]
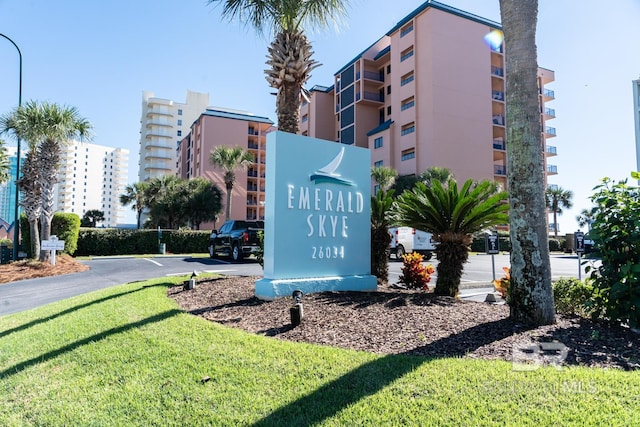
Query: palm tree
[(435, 173), (290, 52), (165, 197), (531, 293), (380, 238), (452, 216), (586, 217), (4, 163), (91, 218), (31, 200), (557, 198), (230, 159), (204, 202), (46, 127), (134, 195), (384, 176)]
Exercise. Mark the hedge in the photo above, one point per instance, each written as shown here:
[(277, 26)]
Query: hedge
[(63, 225), (116, 241)]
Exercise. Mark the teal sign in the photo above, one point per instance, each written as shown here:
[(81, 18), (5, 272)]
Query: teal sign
[(317, 217)]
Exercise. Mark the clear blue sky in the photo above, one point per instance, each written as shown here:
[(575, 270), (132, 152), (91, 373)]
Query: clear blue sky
[(100, 55)]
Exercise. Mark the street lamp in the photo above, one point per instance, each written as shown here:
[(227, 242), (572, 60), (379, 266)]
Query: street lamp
[(16, 224)]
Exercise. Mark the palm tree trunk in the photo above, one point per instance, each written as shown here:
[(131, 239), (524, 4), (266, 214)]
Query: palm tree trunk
[(452, 253), (555, 225), (228, 207), (380, 240), (49, 161), (531, 294), (31, 198)]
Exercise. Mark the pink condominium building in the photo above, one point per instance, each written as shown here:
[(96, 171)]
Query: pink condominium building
[(218, 126), (430, 92)]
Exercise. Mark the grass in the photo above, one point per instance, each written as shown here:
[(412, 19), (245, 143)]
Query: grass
[(129, 356)]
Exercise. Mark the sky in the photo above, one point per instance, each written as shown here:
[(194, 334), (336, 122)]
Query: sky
[(98, 56)]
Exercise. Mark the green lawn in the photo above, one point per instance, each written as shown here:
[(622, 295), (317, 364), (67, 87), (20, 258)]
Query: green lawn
[(128, 356)]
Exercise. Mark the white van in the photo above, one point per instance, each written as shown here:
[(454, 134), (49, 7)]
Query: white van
[(405, 240)]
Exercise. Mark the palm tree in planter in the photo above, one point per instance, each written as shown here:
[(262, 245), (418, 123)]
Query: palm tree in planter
[(289, 57), (230, 159), (557, 198), (452, 216)]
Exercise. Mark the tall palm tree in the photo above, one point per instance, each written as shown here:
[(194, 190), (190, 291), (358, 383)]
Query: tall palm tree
[(290, 52), (557, 198), (4, 163), (530, 288), (384, 176), (31, 200), (230, 159), (46, 127), (452, 216), (586, 217), (436, 173), (134, 195)]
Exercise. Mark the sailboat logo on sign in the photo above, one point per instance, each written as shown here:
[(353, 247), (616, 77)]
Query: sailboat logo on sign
[(328, 173)]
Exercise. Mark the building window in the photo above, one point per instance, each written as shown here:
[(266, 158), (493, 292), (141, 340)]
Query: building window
[(406, 30), (407, 103), (377, 143), (179, 133), (406, 54), (406, 79), (179, 112), (179, 122), (378, 164), (389, 110), (388, 69), (408, 128), (408, 154), (305, 118), (389, 90)]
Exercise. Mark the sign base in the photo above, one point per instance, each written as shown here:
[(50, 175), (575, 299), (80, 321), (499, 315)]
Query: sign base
[(270, 289)]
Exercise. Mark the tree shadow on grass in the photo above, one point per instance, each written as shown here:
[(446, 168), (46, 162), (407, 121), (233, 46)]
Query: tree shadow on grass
[(374, 376), (88, 340), (74, 308)]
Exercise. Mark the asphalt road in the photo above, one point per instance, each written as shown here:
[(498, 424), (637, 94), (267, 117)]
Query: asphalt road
[(106, 272)]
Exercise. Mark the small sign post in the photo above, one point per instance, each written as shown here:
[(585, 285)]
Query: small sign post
[(579, 247), (53, 245), (492, 247)]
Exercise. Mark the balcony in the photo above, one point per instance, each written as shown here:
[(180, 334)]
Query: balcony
[(549, 131), (158, 111), (158, 154), (552, 169), (551, 150), (500, 170), (252, 173), (253, 145), (547, 94), (497, 95), (374, 75), (158, 133), (253, 131), (376, 98), (497, 71), (498, 144), (498, 120), (549, 113)]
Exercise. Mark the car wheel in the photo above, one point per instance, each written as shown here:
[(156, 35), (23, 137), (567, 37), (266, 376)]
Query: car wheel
[(427, 256), (400, 252), (236, 253), (212, 253)]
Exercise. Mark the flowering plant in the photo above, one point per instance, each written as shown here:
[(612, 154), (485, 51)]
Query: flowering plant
[(502, 285)]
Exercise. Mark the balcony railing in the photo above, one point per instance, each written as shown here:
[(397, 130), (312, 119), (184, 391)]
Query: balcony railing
[(549, 130), (499, 170), (497, 71), (499, 144), (253, 145), (550, 112), (373, 96), (548, 93), (373, 75), (552, 169), (498, 120), (252, 173), (497, 95), (551, 150)]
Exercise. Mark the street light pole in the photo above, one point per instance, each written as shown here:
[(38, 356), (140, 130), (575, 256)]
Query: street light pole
[(16, 224)]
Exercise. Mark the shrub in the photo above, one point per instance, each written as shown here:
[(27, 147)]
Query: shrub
[(615, 232), (260, 252), (65, 226), (502, 285), (555, 245), (414, 274), (573, 296)]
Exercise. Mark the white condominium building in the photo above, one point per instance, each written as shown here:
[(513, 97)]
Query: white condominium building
[(92, 177), (163, 124)]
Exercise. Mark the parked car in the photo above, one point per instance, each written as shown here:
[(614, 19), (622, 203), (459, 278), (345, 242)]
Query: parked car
[(406, 240), (236, 239)]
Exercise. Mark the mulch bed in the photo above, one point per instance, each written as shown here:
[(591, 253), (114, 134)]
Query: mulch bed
[(396, 321)]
